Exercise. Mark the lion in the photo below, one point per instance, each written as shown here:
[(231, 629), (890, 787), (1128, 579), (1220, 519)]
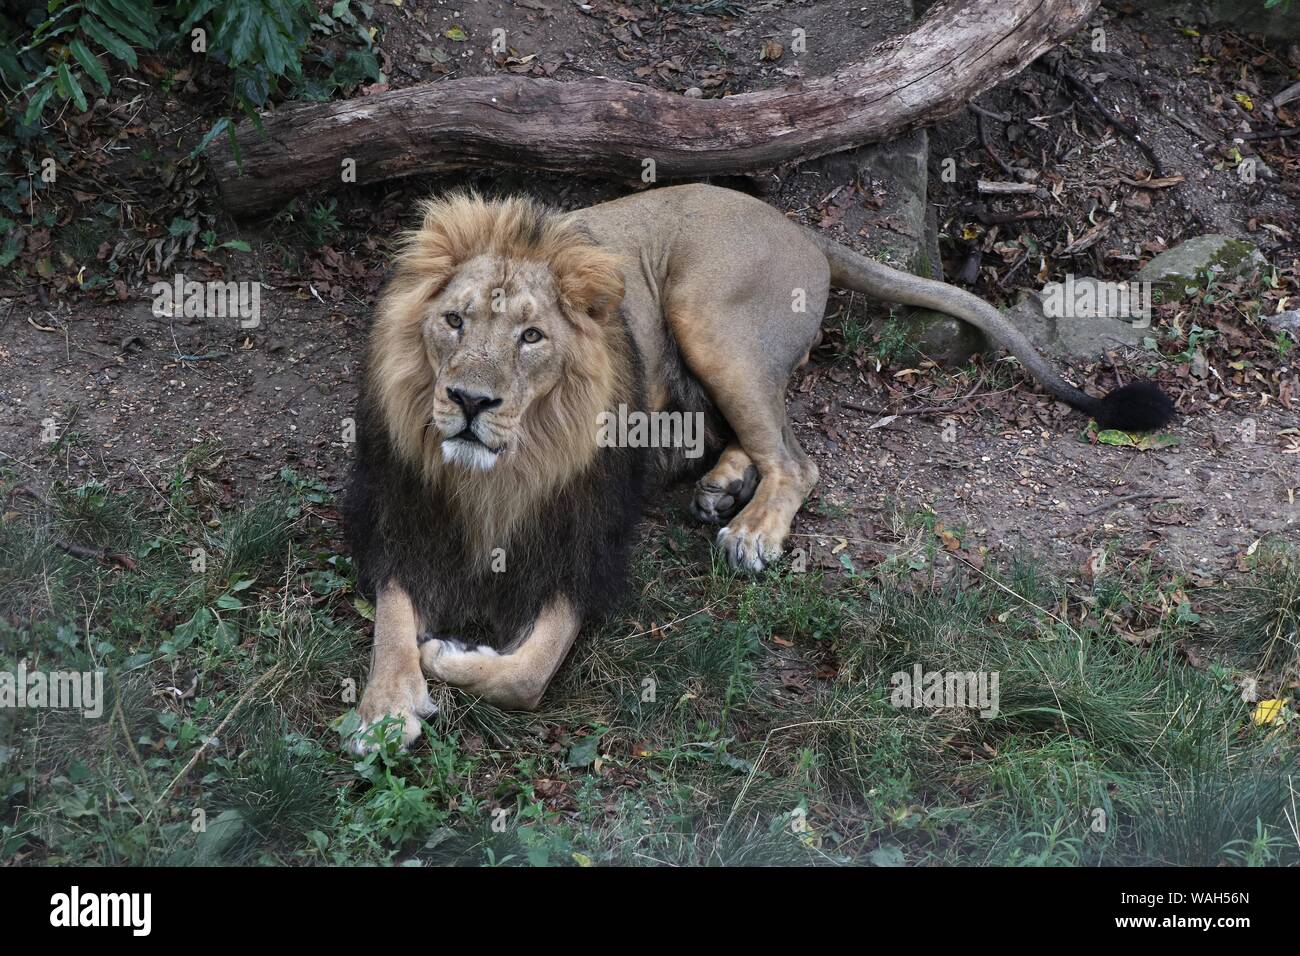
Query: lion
[(485, 515)]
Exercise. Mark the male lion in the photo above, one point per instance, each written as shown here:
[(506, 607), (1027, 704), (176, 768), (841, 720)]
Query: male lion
[(484, 512)]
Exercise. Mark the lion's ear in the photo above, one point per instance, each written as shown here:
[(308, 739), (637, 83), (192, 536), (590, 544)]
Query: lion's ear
[(590, 281), (451, 228)]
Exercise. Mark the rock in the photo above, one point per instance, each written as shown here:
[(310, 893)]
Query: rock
[(1189, 264), (902, 232), (940, 337), (1288, 321), (1083, 328)]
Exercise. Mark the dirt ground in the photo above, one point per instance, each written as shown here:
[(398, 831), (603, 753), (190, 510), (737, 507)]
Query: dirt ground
[(1003, 470), (1029, 483)]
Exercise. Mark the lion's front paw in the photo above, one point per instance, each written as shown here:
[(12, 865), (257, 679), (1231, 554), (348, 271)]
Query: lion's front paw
[(455, 662), (405, 697), (747, 549)]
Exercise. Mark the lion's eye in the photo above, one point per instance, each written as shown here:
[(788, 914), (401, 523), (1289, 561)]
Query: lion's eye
[(453, 319), (531, 335)]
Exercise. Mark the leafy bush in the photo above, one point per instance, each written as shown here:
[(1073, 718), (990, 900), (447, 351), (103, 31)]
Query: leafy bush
[(57, 55), (70, 52)]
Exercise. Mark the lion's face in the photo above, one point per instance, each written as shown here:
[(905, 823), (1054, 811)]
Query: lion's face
[(496, 339), (495, 348)]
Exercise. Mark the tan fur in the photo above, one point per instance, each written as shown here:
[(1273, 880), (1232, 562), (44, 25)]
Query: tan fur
[(395, 687), (516, 679)]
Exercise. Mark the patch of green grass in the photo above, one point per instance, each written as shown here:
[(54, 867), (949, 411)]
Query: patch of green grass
[(892, 344), (1262, 617), (716, 719)]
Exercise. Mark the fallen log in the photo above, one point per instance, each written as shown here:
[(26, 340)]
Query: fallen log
[(623, 130)]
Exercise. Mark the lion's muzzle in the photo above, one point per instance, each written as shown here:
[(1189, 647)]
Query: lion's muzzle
[(471, 404)]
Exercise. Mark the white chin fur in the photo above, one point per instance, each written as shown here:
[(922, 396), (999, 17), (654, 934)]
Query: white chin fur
[(468, 455)]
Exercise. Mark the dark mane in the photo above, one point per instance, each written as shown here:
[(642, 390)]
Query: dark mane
[(576, 543)]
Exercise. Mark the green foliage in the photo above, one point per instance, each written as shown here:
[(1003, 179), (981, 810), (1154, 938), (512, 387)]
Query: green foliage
[(53, 55), (57, 56), (724, 720), (66, 55)]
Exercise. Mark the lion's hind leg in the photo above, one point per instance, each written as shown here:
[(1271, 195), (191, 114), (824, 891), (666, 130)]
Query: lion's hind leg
[(746, 380), (754, 405), (756, 537)]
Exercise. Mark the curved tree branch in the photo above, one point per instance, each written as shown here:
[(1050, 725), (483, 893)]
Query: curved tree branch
[(611, 128)]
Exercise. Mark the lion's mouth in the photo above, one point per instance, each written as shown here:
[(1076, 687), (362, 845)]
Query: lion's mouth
[(469, 451), (467, 435)]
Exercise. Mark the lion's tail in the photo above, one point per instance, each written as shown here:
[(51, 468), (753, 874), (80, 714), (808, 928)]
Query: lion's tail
[(1139, 406)]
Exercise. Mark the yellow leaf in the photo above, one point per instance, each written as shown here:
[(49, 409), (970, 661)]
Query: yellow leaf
[(950, 541), (1267, 712), (1244, 100)]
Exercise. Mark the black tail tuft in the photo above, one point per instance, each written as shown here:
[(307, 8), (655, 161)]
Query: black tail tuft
[(1139, 407)]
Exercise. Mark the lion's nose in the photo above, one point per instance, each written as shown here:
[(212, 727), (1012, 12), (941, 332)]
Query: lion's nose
[(470, 403)]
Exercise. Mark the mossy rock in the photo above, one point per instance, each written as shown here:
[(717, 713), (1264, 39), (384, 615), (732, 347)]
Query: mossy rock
[(1188, 266), (933, 335)]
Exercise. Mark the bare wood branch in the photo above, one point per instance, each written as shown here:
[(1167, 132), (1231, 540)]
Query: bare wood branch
[(1292, 92), (989, 187), (611, 128)]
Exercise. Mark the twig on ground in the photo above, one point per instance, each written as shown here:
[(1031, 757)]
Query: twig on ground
[(215, 735), (1113, 502), (1273, 134), (122, 560), (981, 212), (989, 187), (1292, 92), (919, 410), (990, 114), (988, 147), (1015, 267), (1080, 86)]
